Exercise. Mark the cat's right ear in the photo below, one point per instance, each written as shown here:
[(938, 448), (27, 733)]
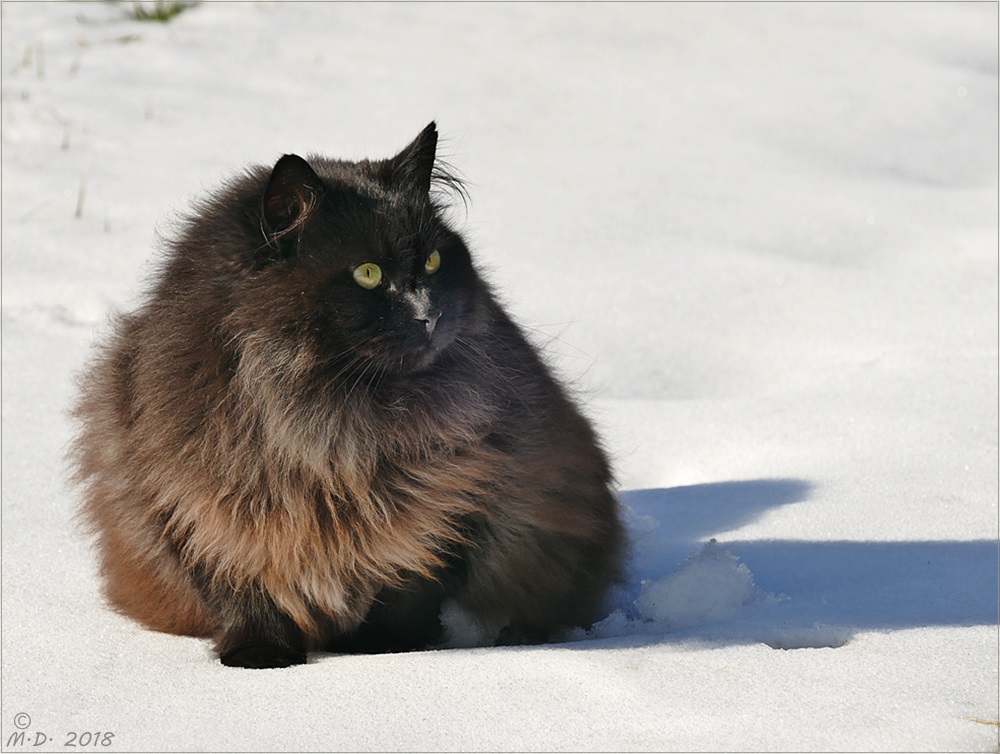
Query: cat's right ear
[(412, 169), (292, 193)]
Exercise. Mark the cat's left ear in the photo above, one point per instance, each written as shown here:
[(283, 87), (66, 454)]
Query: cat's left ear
[(411, 169), (292, 193)]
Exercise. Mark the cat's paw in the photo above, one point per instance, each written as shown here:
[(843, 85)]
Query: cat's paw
[(262, 656)]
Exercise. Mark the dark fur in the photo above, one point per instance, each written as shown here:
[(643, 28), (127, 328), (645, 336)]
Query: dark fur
[(280, 459)]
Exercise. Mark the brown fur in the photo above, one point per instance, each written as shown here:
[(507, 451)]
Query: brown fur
[(223, 458)]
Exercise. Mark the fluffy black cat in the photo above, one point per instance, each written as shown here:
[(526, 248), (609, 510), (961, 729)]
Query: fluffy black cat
[(321, 425)]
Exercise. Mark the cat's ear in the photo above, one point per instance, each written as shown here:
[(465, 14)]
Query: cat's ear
[(411, 169), (291, 195)]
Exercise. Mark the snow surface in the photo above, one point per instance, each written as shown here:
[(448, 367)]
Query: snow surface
[(760, 241)]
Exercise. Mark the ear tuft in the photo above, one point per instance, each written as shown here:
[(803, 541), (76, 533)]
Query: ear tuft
[(291, 194), (412, 168)]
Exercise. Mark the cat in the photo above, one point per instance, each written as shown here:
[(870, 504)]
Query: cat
[(320, 427)]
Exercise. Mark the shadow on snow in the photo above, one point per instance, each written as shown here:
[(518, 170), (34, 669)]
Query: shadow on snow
[(839, 587)]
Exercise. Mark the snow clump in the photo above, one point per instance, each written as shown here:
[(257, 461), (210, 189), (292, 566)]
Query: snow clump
[(710, 585)]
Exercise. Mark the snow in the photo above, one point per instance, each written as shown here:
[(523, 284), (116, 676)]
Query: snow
[(759, 240), (711, 585)]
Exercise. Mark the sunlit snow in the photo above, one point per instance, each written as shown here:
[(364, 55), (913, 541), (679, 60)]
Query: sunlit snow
[(760, 243)]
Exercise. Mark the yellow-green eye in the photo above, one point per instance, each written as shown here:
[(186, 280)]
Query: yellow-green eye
[(368, 275), (432, 263)]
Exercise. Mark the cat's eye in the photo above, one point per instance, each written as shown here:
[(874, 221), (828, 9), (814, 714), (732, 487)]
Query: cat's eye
[(433, 262), (368, 275)]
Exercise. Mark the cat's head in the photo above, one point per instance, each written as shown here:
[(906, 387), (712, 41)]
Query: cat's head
[(355, 259)]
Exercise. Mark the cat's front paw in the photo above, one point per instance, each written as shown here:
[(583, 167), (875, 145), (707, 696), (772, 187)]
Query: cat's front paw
[(262, 656)]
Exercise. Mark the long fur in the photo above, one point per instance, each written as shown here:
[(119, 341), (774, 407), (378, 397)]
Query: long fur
[(243, 481)]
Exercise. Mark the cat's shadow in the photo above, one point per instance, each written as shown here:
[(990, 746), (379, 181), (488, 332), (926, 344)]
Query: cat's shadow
[(668, 524), (851, 585), (688, 515)]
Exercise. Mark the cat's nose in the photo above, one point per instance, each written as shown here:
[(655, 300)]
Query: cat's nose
[(430, 320)]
